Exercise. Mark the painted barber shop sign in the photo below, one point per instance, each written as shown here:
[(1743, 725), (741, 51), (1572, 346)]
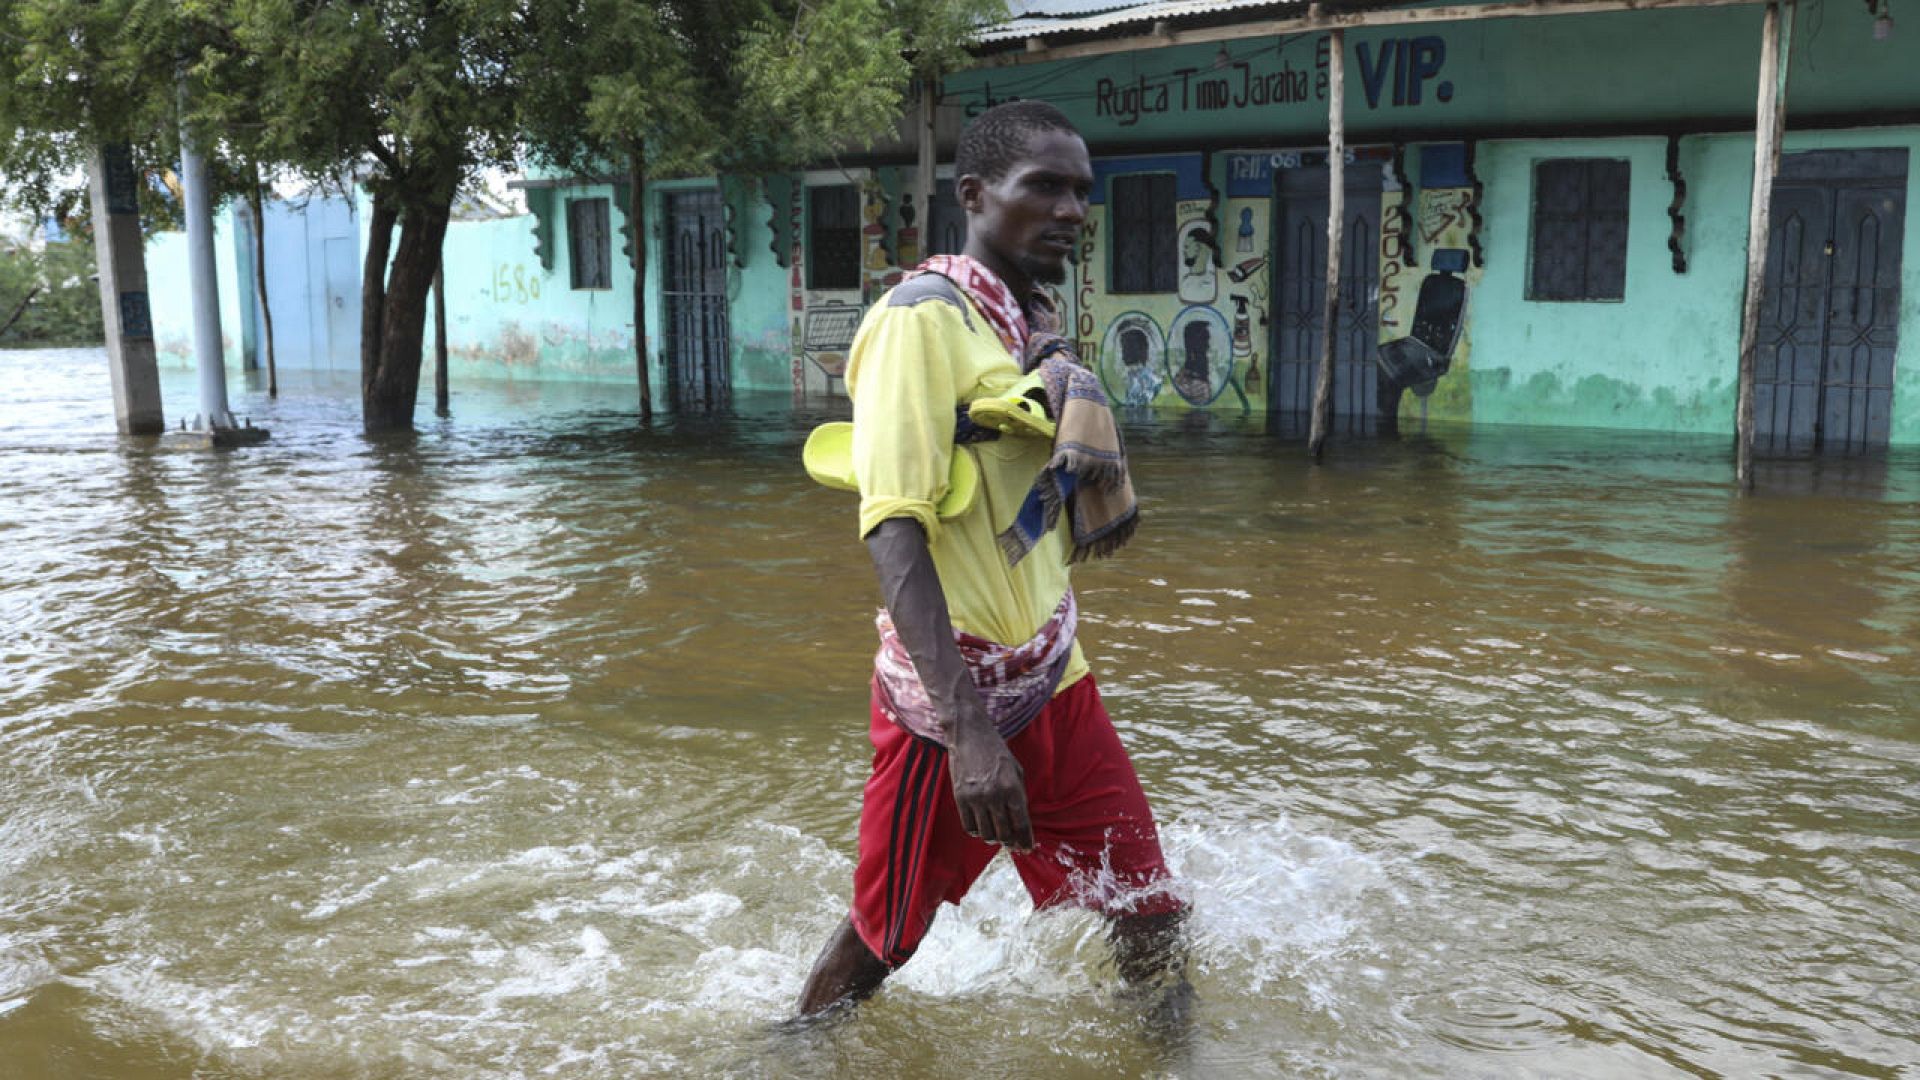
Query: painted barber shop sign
[(1390, 73)]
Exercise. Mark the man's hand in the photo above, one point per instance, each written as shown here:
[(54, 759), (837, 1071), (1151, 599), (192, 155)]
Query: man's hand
[(989, 787)]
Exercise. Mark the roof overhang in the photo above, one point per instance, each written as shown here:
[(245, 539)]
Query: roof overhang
[(1117, 28)]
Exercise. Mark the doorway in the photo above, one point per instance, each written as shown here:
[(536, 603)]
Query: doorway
[(1300, 292), (1829, 312), (698, 355)]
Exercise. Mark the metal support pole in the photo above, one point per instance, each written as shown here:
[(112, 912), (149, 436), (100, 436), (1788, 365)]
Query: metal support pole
[(1776, 38), (120, 254), (1336, 235), (202, 280)]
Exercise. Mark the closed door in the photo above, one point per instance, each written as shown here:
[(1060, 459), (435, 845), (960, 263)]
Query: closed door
[(343, 303), (1823, 362), (698, 355), (1300, 290)]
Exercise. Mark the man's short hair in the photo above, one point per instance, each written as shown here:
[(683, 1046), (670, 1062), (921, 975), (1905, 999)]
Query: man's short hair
[(997, 137)]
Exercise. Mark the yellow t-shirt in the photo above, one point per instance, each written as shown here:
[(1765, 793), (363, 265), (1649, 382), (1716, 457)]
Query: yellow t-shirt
[(922, 351)]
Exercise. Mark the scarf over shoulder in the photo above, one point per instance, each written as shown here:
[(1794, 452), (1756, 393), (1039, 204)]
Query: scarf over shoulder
[(1087, 474)]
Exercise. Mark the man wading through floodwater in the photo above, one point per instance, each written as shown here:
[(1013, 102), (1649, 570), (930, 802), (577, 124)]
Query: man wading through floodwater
[(1000, 739)]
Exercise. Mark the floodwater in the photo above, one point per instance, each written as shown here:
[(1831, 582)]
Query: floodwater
[(532, 746)]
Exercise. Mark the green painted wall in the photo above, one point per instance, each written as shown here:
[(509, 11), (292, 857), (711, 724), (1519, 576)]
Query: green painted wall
[(509, 317), (1667, 356), (757, 298), (1664, 357)]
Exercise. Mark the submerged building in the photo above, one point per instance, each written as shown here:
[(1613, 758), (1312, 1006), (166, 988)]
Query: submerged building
[(1546, 217)]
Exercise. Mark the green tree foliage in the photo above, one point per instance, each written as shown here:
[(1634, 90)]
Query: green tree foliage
[(403, 96), (687, 87), (835, 74), (730, 85), (71, 79), (409, 97), (48, 297)]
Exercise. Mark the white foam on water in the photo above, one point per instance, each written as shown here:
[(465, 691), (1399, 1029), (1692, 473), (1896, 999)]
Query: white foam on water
[(650, 958), (539, 973), (340, 899), (694, 916), (22, 970), (1272, 906), (422, 961), (1856, 654), (631, 864), (553, 858), (288, 735), (749, 981), (211, 1017)]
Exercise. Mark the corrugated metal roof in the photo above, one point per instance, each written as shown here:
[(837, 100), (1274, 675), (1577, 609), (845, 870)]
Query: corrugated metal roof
[(1041, 9), (1040, 18)]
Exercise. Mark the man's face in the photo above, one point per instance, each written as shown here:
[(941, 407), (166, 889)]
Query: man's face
[(1030, 218)]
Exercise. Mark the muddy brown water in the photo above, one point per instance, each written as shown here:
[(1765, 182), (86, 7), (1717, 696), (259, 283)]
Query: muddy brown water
[(533, 746)]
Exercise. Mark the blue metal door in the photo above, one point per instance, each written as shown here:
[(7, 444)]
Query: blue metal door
[(698, 353), (1829, 314), (1300, 291)]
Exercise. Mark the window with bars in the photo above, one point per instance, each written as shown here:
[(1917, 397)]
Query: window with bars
[(1579, 229), (590, 244), (1143, 231), (833, 237)]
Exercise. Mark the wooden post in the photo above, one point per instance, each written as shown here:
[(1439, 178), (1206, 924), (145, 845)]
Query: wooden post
[(1336, 233), (923, 181), (637, 221), (441, 406), (1768, 127), (257, 202)]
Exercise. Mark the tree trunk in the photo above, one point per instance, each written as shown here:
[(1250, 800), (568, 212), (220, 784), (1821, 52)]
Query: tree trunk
[(373, 291), (22, 309), (389, 396), (440, 403), (255, 201), (637, 226)]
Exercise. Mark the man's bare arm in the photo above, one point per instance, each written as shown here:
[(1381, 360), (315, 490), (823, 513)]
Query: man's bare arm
[(988, 784)]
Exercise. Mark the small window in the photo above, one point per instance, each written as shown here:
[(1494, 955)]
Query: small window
[(589, 243), (833, 237), (947, 224), (1579, 229), (1144, 259)]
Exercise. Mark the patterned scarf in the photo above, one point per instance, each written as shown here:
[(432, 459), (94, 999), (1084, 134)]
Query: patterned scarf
[(1087, 474), (1015, 682)]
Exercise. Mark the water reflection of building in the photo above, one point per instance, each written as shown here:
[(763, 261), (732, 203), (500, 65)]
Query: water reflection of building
[(1602, 234)]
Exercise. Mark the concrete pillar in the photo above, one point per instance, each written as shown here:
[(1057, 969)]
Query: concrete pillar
[(204, 283), (121, 255)]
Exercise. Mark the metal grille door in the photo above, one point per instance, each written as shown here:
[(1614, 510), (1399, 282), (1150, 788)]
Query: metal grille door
[(698, 356), (1823, 365), (1300, 291)]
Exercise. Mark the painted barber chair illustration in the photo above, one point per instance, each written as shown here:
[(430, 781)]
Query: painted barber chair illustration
[(1417, 361)]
